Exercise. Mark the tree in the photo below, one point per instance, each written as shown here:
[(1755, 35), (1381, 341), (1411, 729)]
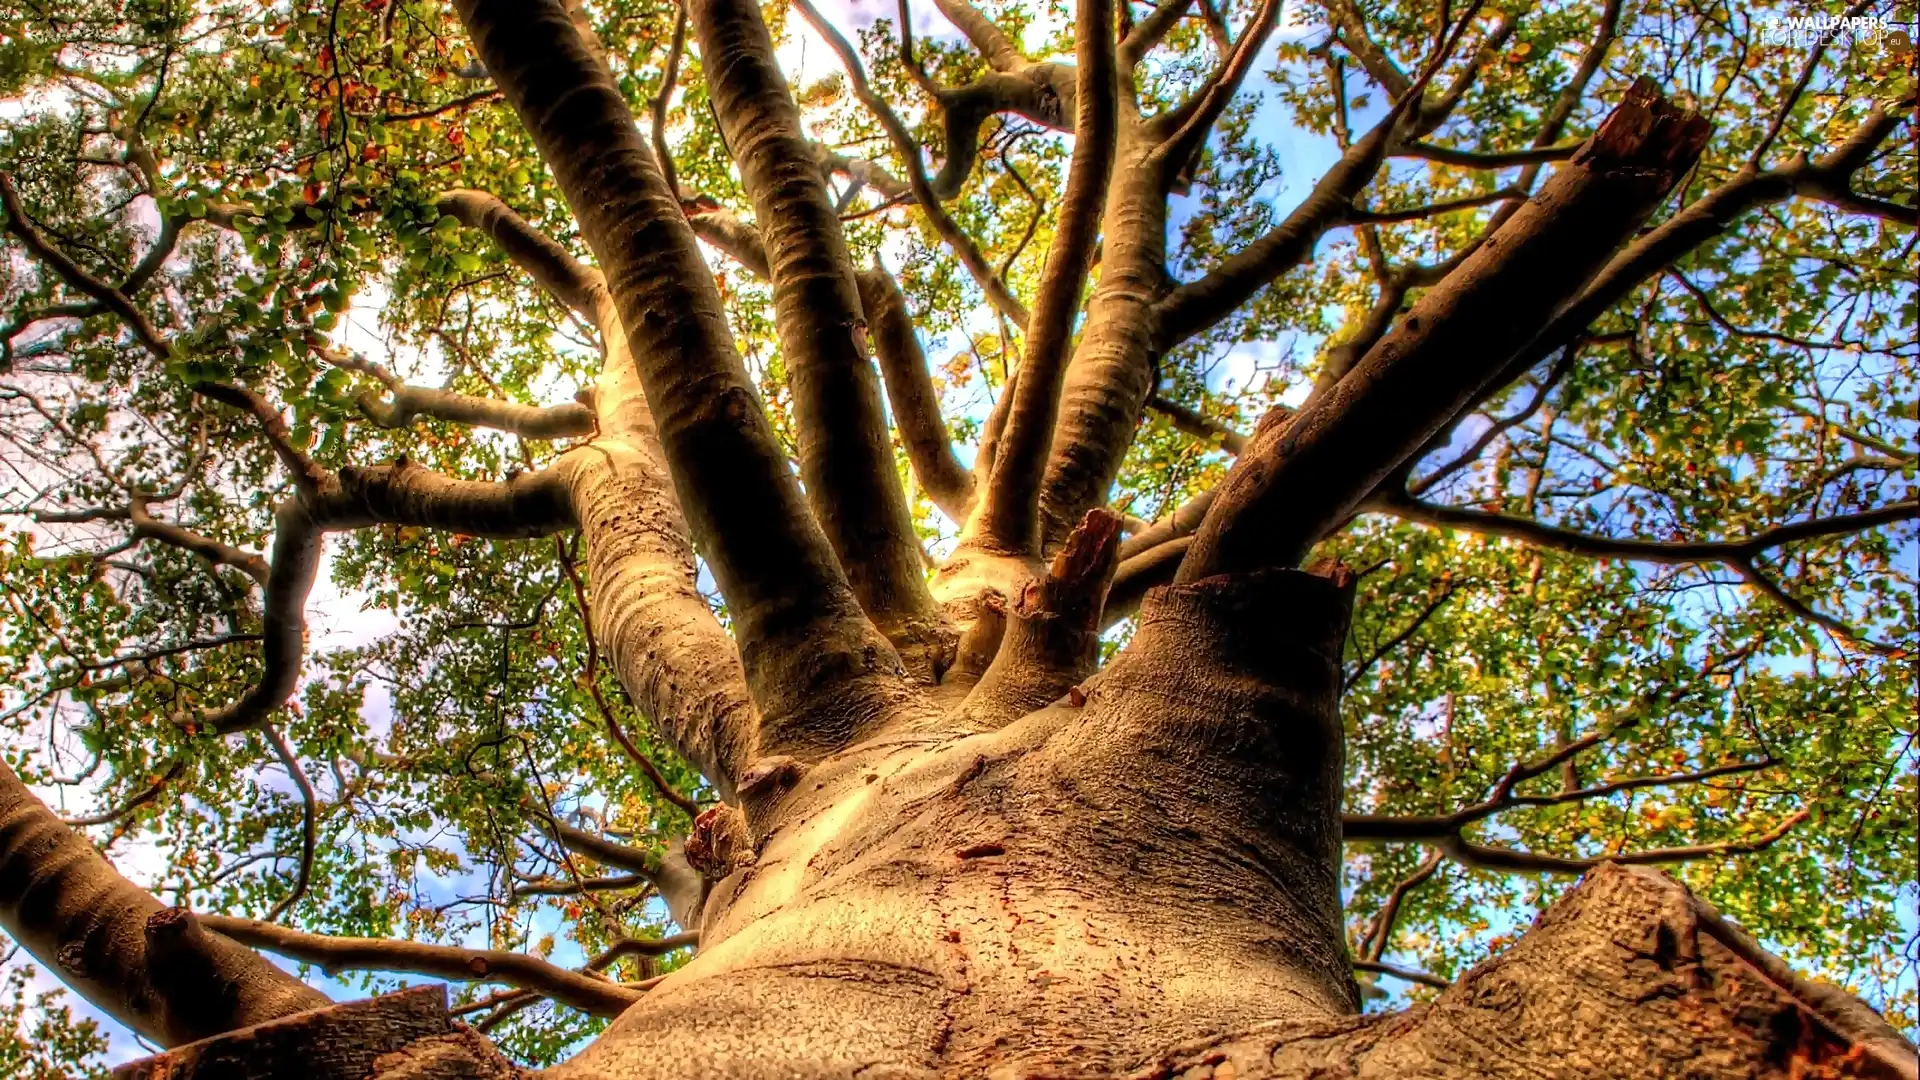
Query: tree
[(972, 717)]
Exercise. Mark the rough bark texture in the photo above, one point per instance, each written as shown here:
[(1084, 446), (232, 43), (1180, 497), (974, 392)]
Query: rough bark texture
[(1628, 975), (334, 1042), (1028, 898)]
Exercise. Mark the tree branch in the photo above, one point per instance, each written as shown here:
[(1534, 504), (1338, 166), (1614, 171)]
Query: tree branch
[(1407, 974), (963, 246), (556, 887), (1360, 216), (1667, 552), (1007, 516), (406, 403), (658, 129), (809, 652), (74, 275), (148, 527), (846, 456), (556, 270), (1488, 857), (1191, 308), (1380, 933), (1350, 29), (992, 42), (910, 393), (1052, 636), (309, 819), (1439, 827), (905, 372), (1204, 428), (1150, 31), (1433, 608), (1186, 127), (151, 968), (1475, 159), (1702, 221), (133, 802), (1287, 490), (595, 996)]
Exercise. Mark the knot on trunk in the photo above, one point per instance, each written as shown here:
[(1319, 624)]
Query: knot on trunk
[(719, 843)]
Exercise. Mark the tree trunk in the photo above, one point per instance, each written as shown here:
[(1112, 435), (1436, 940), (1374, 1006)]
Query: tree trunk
[(1111, 877)]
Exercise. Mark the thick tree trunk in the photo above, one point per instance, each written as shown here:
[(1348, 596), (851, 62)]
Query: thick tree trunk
[(1076, 891), (1110, 887), (1628, 976)]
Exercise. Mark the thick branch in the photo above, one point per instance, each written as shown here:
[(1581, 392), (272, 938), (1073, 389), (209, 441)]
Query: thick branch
[(905, 373), (817, 668), (152, 968), (556, 271), (910, 392), (1150, 31), (1044, 93), (1702, 221), (1007, 517), (992, 42), (1294, 483), (530, 505), (333, 955), (1052, 636), (846, 456)]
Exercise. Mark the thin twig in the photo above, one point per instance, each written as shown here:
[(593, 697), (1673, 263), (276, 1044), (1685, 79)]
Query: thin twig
[(310, 829)]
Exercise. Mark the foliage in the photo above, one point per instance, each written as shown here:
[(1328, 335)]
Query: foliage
[(40, 1038)]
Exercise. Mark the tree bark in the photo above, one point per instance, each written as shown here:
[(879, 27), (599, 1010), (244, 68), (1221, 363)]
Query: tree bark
[(846, 457), (151, 967), (1628, 975), (1074, 891), (818, 670)]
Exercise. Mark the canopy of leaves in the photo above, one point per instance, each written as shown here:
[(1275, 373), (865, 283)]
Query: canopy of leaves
[(261, 178)]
